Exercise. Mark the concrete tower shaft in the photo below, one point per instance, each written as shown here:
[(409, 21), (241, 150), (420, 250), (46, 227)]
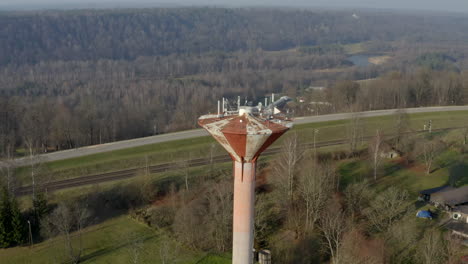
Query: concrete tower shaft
[(245, 137)]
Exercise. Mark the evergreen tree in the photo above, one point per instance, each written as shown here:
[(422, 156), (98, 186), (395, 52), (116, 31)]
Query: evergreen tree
[(5, 219), (40, 209), (40, 206), (12, 227), (18, 231)]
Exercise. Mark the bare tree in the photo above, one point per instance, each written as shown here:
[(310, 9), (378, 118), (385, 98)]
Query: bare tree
[(354, 132), (333, 226), (401, 126), (432, 248), (34, 129), (147, 189), (201, 222), (453, 249), (401, 240), (184, 166), (315, 188), (211, 156), (465, 136), (219, 214), (387, 208), (266, 216), (134, 248), (7, 168), (286, 165), (32, 160), (167, 251), (429, 150), (357, 197), (375, 151), (357, 248), (68, 220)]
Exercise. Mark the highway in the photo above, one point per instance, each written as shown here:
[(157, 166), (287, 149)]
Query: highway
[(132, 172), (83, 151)]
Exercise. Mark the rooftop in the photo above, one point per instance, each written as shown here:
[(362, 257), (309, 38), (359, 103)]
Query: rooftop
[(436, 189), (462, 209), (457, 226), (451, 197)]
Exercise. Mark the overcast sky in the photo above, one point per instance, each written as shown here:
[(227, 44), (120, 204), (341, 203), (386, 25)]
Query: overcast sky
[(436, 5)]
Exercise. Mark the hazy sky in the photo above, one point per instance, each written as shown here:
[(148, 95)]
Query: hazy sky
[(437, 5)]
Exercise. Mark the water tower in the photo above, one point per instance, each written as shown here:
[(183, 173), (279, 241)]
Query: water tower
[(245, 134)]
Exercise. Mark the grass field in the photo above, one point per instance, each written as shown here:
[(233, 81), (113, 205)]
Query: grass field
[(111, 242), (411, 177), (203, 147)]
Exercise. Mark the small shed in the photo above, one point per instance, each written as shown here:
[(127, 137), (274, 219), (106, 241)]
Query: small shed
[(389, 152)]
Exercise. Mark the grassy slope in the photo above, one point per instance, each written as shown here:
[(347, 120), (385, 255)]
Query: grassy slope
[(200, 147), (412, 177), (109, 242)]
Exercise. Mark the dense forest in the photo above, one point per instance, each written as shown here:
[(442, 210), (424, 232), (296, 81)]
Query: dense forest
[(75, 78), (129, 34)]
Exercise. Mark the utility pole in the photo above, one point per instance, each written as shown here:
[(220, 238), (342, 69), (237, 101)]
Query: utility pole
[(147, 167), (31, 243), (316, 131)]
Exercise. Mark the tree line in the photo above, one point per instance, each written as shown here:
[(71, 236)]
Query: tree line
[(34, 37)]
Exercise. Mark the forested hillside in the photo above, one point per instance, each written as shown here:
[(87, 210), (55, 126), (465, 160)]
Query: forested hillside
[(128, 34), (75, 78)]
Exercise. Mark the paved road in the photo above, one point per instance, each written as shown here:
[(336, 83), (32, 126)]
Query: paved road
[(132, 172), (73, 153)]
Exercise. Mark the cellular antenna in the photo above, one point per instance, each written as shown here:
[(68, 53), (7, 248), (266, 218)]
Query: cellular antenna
[(245, 134), (224, 109)]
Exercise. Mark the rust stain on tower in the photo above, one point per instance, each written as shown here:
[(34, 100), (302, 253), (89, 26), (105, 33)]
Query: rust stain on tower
[(245, 134)]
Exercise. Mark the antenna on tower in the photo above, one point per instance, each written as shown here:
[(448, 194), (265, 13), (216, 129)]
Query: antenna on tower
[(224, 109)]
